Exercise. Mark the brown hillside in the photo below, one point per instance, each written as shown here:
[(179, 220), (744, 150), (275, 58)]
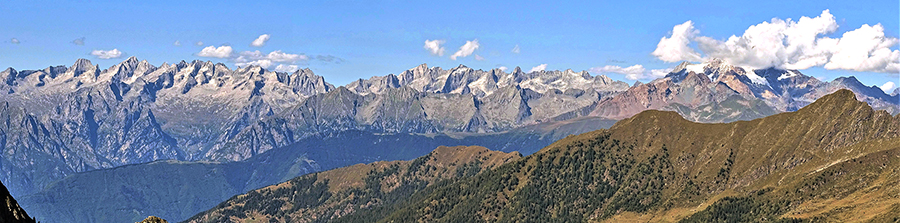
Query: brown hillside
[(834, 160), (339, 192)]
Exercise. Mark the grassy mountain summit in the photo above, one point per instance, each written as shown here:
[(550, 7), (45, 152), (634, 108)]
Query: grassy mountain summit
[(363, 187), (836, 159)]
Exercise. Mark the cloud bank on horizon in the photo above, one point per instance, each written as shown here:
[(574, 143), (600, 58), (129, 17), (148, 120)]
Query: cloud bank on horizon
[(788, 44)]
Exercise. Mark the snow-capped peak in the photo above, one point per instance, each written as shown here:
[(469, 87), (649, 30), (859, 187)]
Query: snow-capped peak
[(788, 74), (715, 67)]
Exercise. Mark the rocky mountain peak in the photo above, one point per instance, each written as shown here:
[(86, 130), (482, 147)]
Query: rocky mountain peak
[(132, 60), (130, 70), (682, 66), (83, 66), (421, 68), (461, 67)]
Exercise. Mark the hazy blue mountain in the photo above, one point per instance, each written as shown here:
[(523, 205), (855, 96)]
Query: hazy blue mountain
[(176, 190), (62, 120)]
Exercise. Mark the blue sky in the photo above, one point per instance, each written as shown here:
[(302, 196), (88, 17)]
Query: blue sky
[(377, 38)]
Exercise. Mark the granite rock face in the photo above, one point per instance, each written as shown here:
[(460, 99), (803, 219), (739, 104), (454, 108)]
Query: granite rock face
[(61, 120)]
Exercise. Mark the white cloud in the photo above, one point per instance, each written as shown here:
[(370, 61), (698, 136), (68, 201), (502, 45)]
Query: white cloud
[(177, 43), (435, 47), (466, 49), (515, 49), (281, 60), (279, 56), (14, 41), (262, 63), (658, 73), (541, 67), (789, 44), (199, 43), (286, 68), (275, 56), (887, 87), (635, 72), (261, 40), (107, 54), (478, 57), (864, 49), (675, 48), (217, 52), (79, 41), (503, 68)]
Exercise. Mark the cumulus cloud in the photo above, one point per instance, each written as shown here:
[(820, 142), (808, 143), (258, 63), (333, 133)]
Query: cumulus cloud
[(262, 63), (199, 43), (515, 49), (107, 54), (863, 49), (79, 41), (14, 41), (286, 68), (261, 40), (887, 87), (279, 56), (635, 72), (434, 46), (275, 58), (789, 44), (541, 67), (478, 57), (675, 47), (466, 49), (503, 68), (177, 43), (216, 52)]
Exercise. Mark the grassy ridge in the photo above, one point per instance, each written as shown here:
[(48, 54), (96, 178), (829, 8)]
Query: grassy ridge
[(835, 160), (329, 195)]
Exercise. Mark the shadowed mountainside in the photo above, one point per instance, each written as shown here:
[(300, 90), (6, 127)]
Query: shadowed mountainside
[(11, 212)]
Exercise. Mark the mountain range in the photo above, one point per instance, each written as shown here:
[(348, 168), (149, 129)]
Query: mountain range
[(176, 190), (836, 159), (60, 121)]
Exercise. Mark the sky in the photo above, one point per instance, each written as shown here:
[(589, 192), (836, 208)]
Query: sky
[(347, 40)]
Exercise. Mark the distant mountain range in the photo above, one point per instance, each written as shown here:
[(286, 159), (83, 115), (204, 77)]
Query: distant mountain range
[(833, 160), (63, 120), (177, 190)]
